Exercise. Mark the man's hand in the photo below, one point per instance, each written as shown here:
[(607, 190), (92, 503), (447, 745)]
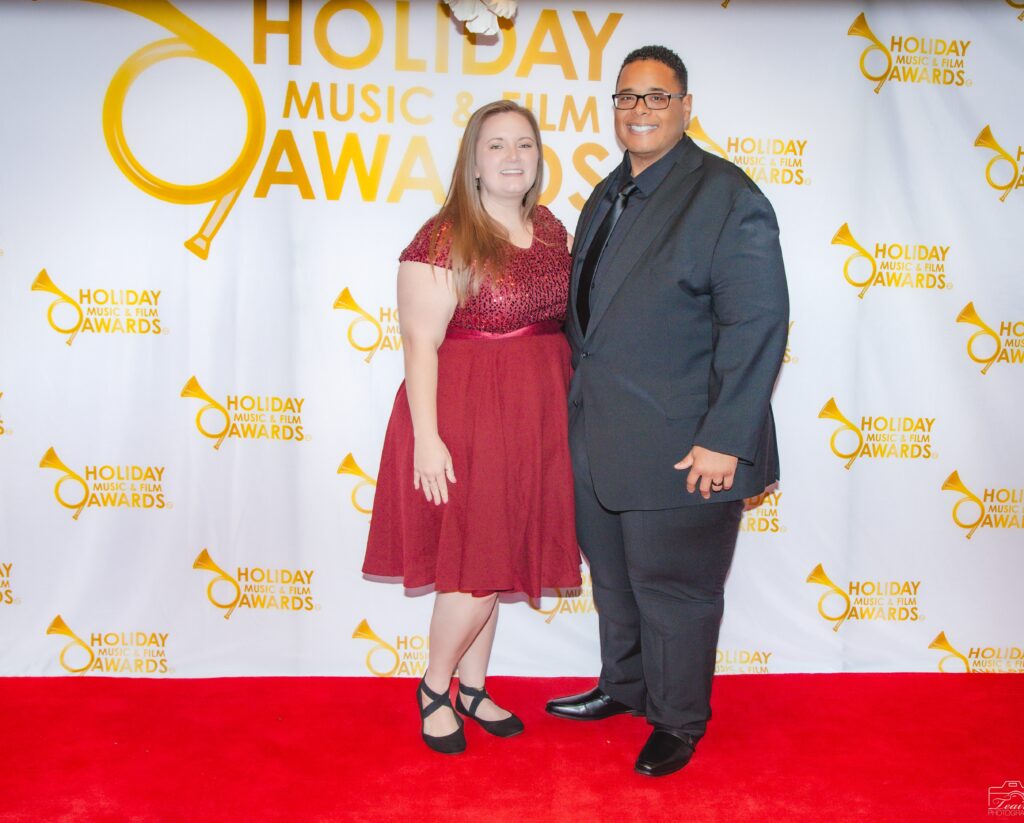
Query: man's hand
[(714, 470)]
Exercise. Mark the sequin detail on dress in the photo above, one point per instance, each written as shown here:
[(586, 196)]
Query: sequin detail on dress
[(533, 288)]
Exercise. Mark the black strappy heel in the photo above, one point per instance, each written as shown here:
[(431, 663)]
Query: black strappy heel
[(507, 727), (453, 743)]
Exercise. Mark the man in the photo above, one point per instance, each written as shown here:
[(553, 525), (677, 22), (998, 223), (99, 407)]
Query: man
[(677, 322)]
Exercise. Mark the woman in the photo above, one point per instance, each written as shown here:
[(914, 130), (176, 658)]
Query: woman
[(482, 292)]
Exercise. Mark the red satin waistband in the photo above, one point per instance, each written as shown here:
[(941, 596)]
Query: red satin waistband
[(534, 329)]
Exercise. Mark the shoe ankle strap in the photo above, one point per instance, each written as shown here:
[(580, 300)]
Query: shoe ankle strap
[(478, 695), (437, 701)]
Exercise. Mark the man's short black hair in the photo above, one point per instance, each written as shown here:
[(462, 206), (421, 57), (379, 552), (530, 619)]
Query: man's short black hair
[(662, 55)]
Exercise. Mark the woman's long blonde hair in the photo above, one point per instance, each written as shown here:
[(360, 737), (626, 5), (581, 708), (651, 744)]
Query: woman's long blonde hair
[(478, 244)]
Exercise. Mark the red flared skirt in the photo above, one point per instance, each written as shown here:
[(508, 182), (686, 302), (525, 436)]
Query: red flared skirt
[(508, 525)]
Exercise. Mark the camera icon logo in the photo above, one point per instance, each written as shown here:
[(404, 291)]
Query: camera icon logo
[(1007, 799)]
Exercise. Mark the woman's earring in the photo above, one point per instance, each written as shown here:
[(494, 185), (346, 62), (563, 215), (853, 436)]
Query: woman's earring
[(477, 184)]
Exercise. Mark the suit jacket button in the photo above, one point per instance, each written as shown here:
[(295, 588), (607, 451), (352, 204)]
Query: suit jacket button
[(585, 354), (575, 404)]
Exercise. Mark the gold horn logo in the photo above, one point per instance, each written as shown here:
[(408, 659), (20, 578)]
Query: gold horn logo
[(968, 314), (43, 282), (189, 40), (830, 411), (51, 461), (193, 389), (535, 604), (347, 302), (953, 483), (844, 237), (985, 140), (349, 466), (696, 131), (1017, 4), (58, 626), (583, 591), (943, 645), (818, 576), (583, 595), (364, 632), (860, 28), (205, 563), (549, 614)]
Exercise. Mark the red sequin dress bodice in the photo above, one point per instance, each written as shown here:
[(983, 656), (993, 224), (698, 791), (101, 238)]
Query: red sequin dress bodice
[(533, 287)]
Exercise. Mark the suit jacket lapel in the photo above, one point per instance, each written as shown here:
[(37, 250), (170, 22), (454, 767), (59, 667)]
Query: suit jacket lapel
[(668, 200), (583, 226)]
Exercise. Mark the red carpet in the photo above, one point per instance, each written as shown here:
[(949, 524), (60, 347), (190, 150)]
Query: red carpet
[(906, 747)]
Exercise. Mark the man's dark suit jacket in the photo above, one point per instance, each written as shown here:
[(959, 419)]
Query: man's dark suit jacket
[(687, 344)]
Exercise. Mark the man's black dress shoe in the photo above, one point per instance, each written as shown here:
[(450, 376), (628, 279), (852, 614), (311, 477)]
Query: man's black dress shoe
[(664, 753), (592, 705)]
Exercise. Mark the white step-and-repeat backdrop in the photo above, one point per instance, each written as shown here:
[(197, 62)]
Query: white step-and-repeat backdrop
[(201, 207)]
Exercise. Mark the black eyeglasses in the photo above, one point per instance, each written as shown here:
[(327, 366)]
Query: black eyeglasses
[(653, 100)]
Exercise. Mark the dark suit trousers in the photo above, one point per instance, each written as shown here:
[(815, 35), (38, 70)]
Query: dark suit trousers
[(659, 578)]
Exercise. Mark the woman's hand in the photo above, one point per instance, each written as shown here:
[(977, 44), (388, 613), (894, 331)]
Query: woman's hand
[(432, 469), (426, 303)]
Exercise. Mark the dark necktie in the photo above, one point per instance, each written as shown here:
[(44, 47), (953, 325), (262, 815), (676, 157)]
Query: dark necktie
[(597, 246)]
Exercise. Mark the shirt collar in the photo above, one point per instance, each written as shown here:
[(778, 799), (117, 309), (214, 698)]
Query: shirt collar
[(654, 175)]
